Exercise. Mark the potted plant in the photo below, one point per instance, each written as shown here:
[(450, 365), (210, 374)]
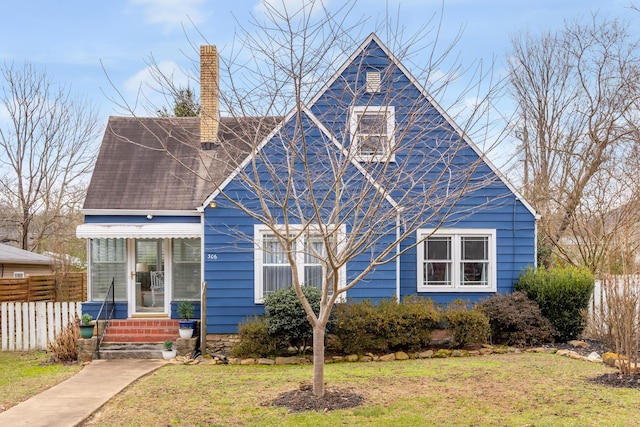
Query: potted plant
[(185, 311), (86, 326), (168, 352)]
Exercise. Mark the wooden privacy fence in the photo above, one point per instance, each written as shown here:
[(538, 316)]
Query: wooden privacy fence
[(33, 325), (55, 287)]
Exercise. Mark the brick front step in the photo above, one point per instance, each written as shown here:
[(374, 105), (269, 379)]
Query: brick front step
[(141, 330)]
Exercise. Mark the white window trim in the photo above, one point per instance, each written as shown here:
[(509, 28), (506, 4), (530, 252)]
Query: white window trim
[(18, 275), (456, 234), (258, 232), (388, 154)]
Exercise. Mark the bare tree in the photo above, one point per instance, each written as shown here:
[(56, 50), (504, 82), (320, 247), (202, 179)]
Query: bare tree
[(577, 92), (322, 201), (47, 147)]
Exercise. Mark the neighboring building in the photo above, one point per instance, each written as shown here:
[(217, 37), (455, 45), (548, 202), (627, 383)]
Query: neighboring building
[(156, 226), (18, 263)]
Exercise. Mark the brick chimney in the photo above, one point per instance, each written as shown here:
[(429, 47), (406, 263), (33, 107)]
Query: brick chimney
[(209, 111)]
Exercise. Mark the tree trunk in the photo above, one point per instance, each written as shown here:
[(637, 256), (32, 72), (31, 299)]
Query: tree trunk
[(318, 360)]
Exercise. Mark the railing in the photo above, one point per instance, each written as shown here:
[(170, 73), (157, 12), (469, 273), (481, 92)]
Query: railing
[(107, 310)]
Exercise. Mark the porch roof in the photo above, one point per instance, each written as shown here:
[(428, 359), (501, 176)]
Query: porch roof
[(139, 231)]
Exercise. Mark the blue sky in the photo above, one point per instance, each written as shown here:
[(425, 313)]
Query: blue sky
[(86, 44)]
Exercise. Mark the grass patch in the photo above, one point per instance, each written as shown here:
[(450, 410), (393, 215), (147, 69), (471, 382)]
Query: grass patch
[(24, 374), (527, 389)]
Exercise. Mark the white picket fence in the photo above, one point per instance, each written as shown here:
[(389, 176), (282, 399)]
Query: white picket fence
[(33, 325)]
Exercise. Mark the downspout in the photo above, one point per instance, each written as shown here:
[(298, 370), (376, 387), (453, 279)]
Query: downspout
[(398, 257)]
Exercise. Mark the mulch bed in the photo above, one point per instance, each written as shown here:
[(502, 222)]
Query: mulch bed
[(303, 399), (614, 379)]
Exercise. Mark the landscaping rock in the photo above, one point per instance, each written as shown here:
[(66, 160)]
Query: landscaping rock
[(387, 357), (351, 358), (442, 353), (610, 359), (594, 357), (459, 353), (401, 355), (247, 362), (265, 361), (575, 356), (577, 343), (366, 359), (425, 354), (485, 351), (290, 360)]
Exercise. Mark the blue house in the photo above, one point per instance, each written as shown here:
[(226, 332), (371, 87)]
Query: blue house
[(370, 185)]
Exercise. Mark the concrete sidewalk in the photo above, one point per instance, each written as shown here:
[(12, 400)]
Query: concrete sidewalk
[(72, 401)]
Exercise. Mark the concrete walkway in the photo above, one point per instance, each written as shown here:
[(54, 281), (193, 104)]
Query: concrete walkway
[(74, 400)]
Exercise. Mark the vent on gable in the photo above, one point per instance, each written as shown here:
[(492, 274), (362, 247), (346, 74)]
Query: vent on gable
[(373, 81)]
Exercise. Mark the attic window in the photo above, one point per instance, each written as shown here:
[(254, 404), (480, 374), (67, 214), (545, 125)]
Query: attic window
[(372, 133), (373, 81)]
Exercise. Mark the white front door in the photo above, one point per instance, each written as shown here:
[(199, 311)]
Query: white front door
[(149, 287)]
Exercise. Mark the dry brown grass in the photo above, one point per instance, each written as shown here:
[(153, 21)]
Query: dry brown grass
[(528, 389)]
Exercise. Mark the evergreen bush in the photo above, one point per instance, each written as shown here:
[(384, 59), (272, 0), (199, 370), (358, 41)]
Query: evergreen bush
[(255, 341), (563, 294), (285, 316)]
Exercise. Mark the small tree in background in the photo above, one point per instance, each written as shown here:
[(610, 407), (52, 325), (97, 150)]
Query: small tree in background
[(184, 105), (47, 150)]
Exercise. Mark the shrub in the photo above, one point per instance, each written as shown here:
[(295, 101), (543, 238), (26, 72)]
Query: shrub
[(362, 327), (468, 325), (255, 341), (620, 318), (351, 323), (64, 348), (516, 320), (405, 326), (563, 294), (286, 318)]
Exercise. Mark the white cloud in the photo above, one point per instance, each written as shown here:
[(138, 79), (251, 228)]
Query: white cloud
[(147, 88), (172, 13)]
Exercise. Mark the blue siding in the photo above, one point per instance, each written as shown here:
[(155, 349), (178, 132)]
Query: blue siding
[(93, 308), (490, 204)]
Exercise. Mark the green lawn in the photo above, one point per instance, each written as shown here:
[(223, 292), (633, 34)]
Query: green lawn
[(24, 374), (497, 390)]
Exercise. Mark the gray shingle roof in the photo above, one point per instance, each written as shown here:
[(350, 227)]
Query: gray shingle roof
[(12, 255), (158, 164)]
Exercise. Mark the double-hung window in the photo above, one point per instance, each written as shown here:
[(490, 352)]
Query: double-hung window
[(273, 268), (456, 260), (372, 133)]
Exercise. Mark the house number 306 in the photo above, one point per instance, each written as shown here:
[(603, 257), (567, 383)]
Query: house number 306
[(212, 256)]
